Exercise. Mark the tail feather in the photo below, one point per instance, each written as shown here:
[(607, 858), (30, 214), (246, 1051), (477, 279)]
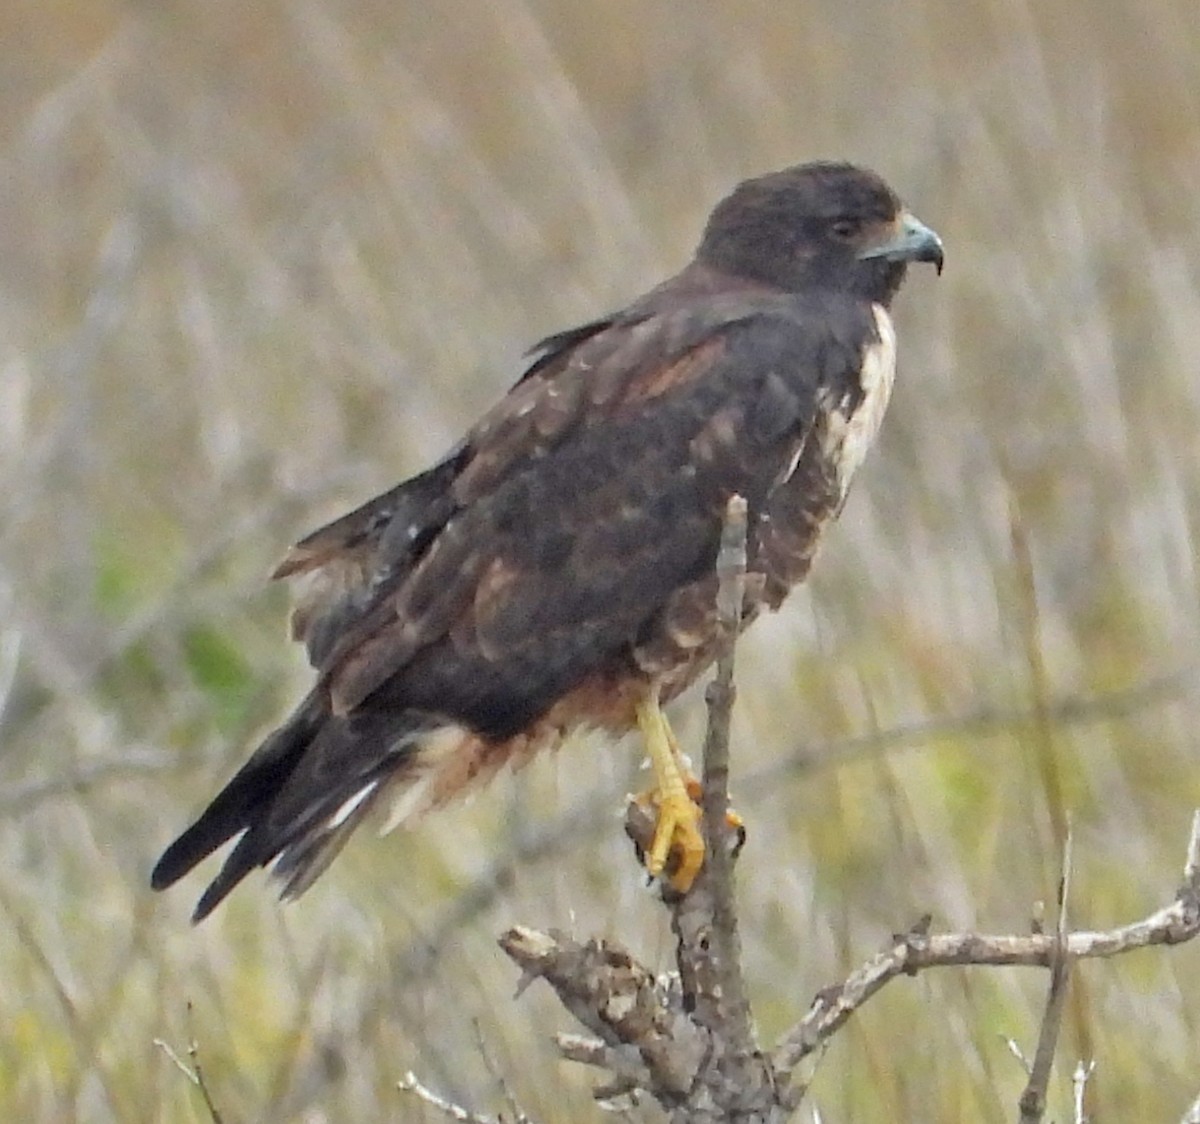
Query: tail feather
[(305, 860), (242, 800), (296, 801)]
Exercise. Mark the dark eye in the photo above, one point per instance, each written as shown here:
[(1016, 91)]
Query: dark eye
[(845, 229)]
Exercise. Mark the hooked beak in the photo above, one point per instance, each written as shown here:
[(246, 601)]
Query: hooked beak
[(913, 241)]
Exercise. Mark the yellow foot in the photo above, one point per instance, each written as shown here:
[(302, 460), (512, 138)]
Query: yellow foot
[(676, 801), (677, 831), (677, 826)]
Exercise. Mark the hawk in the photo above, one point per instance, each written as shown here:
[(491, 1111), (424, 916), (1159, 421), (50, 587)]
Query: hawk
[(556, 569)]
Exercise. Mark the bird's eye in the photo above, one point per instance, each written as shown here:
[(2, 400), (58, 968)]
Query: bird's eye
[(845, 229)]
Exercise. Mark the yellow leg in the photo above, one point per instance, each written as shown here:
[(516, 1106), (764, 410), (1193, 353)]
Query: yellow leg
[(678, 825), (695, 789)]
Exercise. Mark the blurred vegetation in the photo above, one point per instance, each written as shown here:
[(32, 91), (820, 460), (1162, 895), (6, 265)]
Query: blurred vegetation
[(257, 261)]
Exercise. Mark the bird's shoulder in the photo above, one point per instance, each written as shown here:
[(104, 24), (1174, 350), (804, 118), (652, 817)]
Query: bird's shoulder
[(698, 330)]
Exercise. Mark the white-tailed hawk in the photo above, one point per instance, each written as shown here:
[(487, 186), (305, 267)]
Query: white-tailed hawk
[(556, 569)]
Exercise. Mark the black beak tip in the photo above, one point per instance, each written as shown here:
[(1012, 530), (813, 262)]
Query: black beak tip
[(928, 248), (913, 242)]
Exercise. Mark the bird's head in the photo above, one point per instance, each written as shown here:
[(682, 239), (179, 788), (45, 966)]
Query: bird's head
[(829, 225)]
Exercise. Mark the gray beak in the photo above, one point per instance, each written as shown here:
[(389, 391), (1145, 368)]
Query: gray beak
[(913, 242)]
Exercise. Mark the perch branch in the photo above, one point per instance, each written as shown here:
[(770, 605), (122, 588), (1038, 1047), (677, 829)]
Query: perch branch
[(687, 1040), (731, 1009), (645, 1036)]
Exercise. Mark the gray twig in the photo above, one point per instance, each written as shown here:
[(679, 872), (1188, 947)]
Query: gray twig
[(732, 1010), (410, 1084), (193, 1072), (1033, 1100), (917, 950)]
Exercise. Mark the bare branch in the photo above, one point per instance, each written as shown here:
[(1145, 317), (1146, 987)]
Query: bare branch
[(620, 1062), (176, 1060), (1033, 1100), (688, 1040), (727, 1007), (915, 951), (519, 1115), (452, 1111), (627, 1077), (619, 1001), (194, 1073)]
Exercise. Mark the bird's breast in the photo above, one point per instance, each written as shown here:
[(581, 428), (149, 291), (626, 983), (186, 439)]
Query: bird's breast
[(852, 418)]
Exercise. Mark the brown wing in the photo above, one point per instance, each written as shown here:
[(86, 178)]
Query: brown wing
[(590, 494), (414, 506), (342, 564)]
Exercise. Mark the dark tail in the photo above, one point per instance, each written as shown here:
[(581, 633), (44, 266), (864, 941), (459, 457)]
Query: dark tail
[(296, 801)]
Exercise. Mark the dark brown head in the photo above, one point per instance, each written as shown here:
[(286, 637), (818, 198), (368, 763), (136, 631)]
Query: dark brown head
[(829, 225)]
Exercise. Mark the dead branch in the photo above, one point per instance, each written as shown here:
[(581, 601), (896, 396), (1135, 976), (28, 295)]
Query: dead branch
[(1033, 1100), (452, 1111), (686, 1039), (648, 1036), (724, 1005), (194, 1073), (917, 950)]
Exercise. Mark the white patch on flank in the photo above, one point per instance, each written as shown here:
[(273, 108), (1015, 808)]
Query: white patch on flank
[(849, 437), (436, 750), (407, 804), (790, 467), (348, 807)]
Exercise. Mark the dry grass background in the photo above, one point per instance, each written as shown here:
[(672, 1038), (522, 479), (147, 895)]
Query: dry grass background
[(259, 260)]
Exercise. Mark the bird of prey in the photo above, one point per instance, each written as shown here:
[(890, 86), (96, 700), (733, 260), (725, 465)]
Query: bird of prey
[(556, 569)]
